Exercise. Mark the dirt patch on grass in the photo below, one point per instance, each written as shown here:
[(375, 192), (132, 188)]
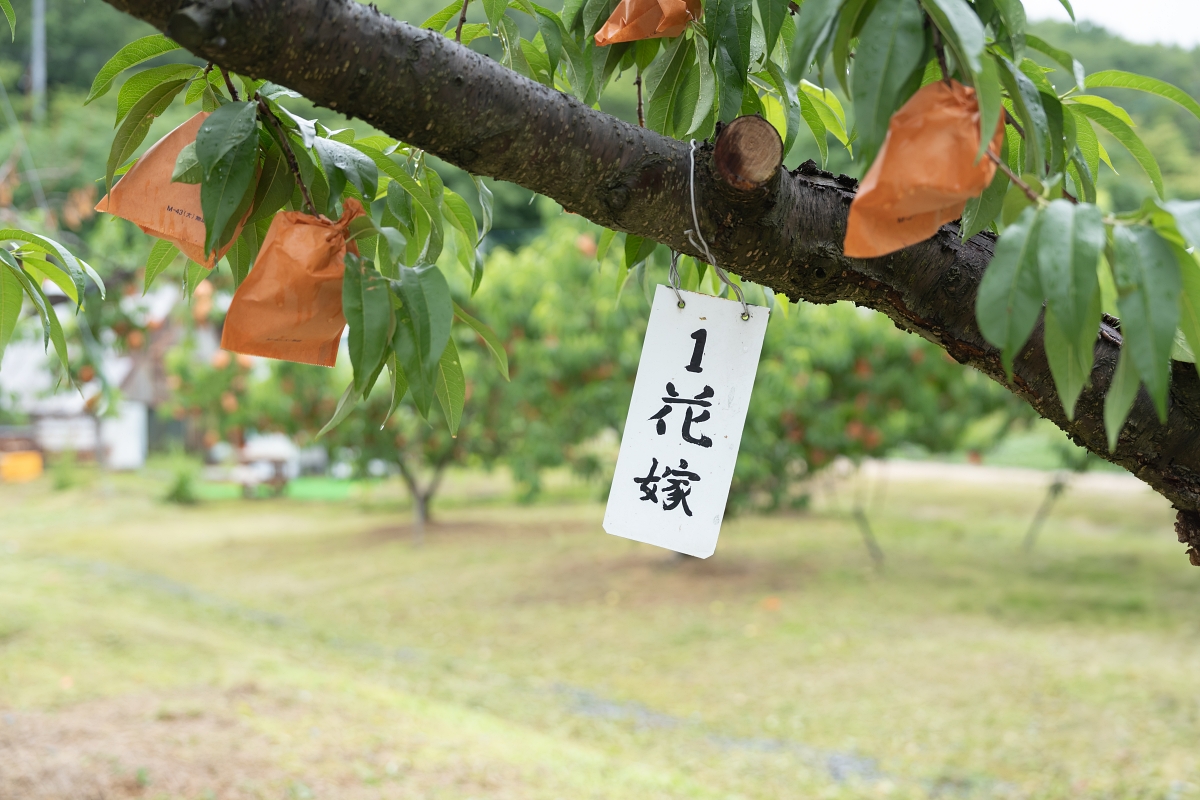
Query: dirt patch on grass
[(651, 578), (209, 743)]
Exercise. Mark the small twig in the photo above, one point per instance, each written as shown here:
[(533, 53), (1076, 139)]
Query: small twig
[(274, 122), (941, 52), (641, 114), (793, 7), (229, 85), (462, 20), (1022, 185), (1012, 121), (207, 69)]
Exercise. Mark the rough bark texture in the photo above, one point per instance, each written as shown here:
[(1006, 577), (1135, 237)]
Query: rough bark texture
[(786, 234)]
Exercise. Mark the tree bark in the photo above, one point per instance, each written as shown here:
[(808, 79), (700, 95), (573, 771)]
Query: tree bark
[(785, 233)]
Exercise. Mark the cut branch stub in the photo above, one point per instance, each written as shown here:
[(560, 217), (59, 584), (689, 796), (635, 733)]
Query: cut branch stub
[(748, 152)]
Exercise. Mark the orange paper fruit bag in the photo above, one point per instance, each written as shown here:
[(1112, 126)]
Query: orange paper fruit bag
[(632, 20), (147, 197), (290, 305), (924, 174)]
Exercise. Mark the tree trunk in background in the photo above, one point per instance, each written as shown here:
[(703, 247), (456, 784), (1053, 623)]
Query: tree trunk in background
[(784, 232)]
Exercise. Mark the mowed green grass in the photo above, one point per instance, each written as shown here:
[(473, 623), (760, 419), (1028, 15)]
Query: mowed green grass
[(298, 649)]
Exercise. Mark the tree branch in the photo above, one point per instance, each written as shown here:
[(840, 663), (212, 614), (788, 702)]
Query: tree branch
[(785, 233)]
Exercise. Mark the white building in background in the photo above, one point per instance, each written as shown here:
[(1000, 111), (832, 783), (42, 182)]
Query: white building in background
[(61, 421)]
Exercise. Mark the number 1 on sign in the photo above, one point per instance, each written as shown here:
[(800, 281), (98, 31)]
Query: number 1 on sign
[(701, 336)]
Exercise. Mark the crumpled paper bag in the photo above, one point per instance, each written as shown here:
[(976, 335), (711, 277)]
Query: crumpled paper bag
[(290, 305), (924, 174), (146, 196), (632, 20)]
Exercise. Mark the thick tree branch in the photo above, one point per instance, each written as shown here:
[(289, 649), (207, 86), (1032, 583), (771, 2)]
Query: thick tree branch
[(785, 233)]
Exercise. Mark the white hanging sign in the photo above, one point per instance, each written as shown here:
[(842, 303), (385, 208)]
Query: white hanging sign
[(685, 422)]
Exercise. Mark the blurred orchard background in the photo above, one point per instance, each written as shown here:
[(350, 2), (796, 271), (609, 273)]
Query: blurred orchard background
[(921, 590)]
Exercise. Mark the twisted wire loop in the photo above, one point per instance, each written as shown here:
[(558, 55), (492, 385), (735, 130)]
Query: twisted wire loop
[(675, 278), (697, 239)]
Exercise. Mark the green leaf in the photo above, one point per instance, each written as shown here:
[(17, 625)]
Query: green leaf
[(137, 85), (606, 239), (890, 50), (342, 162), (422, 329), (704, 116), (991, 105), (1012, 12), (1069, 246), (1028, 106), (11, 17), (397, 173), (637, 250), (494, 345), (818, 21), (672, 85), (771, 13), (1124, 134), (811, 114), (128, 56), (52, 328), (11, 296), (162, 254), (193, 275), (792, 109), (1189, 299), (552, 36), (344, 406), (367, 305), (1062, 57), (830, 110), (1148, 286), (1119, 79), (275, 185), (494, 9), (729, 24), (399, 385), (1118, 401), (451, 387), (43, 270), (1070, 11), (137, 122), (439, 20), (1085, 140), (962, 29), (1070, 357), (1104, 104), (245, 249), (458, 214), (227, 147), (486, 204), (1187, 218), (1010, 294), (73, 265), (853, 14), (187, 166), (306, 128), (981, 211)]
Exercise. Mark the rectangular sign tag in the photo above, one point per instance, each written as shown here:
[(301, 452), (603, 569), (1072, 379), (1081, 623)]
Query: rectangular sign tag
[(685, 422)]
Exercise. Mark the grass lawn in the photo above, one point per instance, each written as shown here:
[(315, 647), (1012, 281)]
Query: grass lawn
[(308, 648)]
